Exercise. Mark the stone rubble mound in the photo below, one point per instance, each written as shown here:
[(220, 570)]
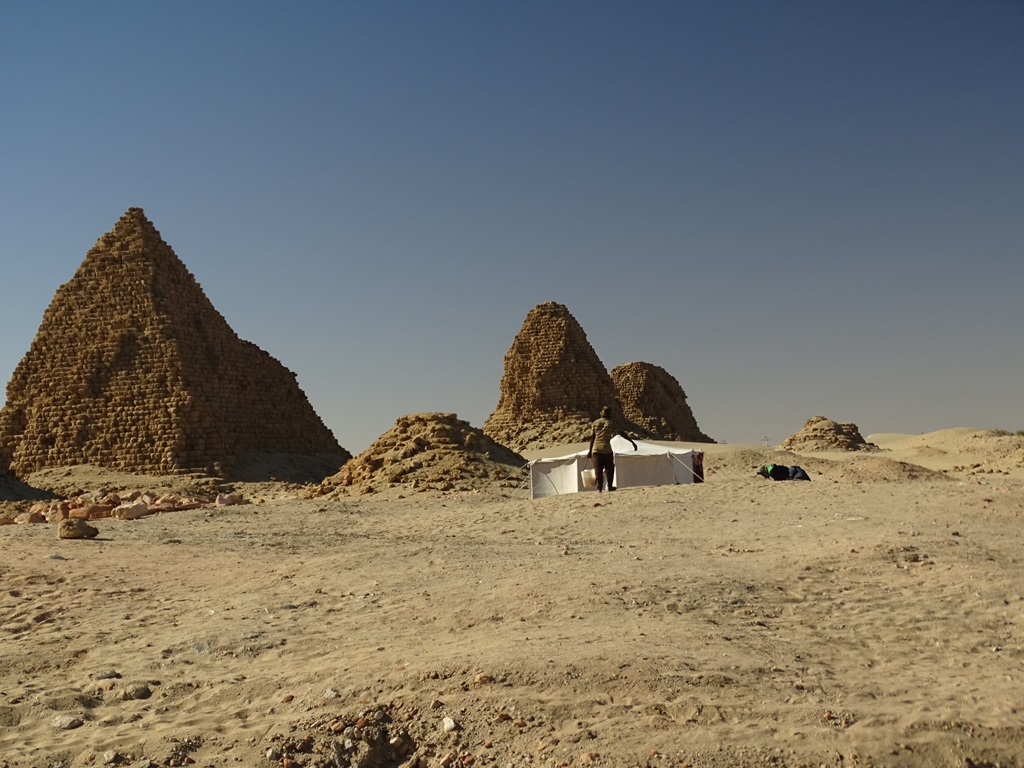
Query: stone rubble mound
[(117, 506), (652, 399), (132, 368), (553, 386), (428, 452), (821, 434), (998, 452)]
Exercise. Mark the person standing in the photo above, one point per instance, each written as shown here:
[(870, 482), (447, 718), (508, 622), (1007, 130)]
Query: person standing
[(600, 450)]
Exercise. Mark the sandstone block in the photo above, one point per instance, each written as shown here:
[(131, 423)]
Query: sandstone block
[(75, 529), (131, 510)]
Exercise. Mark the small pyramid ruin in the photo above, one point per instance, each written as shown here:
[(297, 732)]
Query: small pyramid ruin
[(821, 434), (652, 398), (429, 452), (133, 369), (553, 386)]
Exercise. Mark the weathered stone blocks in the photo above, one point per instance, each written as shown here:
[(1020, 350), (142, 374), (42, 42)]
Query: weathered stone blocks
[(554, 386), (132, 368), (652, 398)]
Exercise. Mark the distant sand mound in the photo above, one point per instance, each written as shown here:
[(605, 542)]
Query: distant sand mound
[(652, 398), (736, 462), (960, 450), (429, 452), (879, 469), (821, 434), (990, 451), (553, 386)]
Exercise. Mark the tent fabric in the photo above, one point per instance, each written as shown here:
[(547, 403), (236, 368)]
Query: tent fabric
[(650, 464)]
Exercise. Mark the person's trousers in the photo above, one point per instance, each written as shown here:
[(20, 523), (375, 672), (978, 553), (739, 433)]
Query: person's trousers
[(604, 463)]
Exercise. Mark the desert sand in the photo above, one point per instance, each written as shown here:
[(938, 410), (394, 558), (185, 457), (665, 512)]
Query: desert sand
[(871, 617)]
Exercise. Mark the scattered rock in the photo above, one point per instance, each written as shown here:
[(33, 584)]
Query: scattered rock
[(132, 510), (76, 529), (67, 722), (30, 517), (136, 691)]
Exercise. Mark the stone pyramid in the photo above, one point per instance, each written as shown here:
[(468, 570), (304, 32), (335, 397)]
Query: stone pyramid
[(821, 434), (133, 369), (652, 398), (554, 384)]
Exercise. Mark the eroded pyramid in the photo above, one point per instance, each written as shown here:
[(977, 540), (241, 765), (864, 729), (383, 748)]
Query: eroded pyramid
[(133, 369), (553, 386), (429, 452), (652, 398), (821, 434)]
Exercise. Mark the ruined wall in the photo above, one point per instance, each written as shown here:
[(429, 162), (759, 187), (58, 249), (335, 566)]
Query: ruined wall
[(132, 368), (652, 398), (553, 386)]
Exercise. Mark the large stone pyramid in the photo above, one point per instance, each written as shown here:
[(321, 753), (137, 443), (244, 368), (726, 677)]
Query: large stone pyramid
[(133, 369), (554, 384), (652, 398)]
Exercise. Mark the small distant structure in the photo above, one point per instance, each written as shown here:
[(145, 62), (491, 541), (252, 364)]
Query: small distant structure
[(821, 434)]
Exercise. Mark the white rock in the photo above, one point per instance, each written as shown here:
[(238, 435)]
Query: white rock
[(66, 722)]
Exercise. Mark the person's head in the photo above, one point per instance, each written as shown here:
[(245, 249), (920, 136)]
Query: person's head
[(605, 410), (763, 471)]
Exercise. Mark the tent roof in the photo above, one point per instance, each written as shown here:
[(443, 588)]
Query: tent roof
[(622, 446)]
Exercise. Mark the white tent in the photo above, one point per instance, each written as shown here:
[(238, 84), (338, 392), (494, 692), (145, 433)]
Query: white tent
[(650, 464)]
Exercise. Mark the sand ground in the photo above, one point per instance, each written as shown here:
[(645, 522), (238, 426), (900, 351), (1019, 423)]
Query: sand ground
[(871, 617)]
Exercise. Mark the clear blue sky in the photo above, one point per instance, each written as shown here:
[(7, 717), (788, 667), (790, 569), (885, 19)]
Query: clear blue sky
[(797, 208)]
